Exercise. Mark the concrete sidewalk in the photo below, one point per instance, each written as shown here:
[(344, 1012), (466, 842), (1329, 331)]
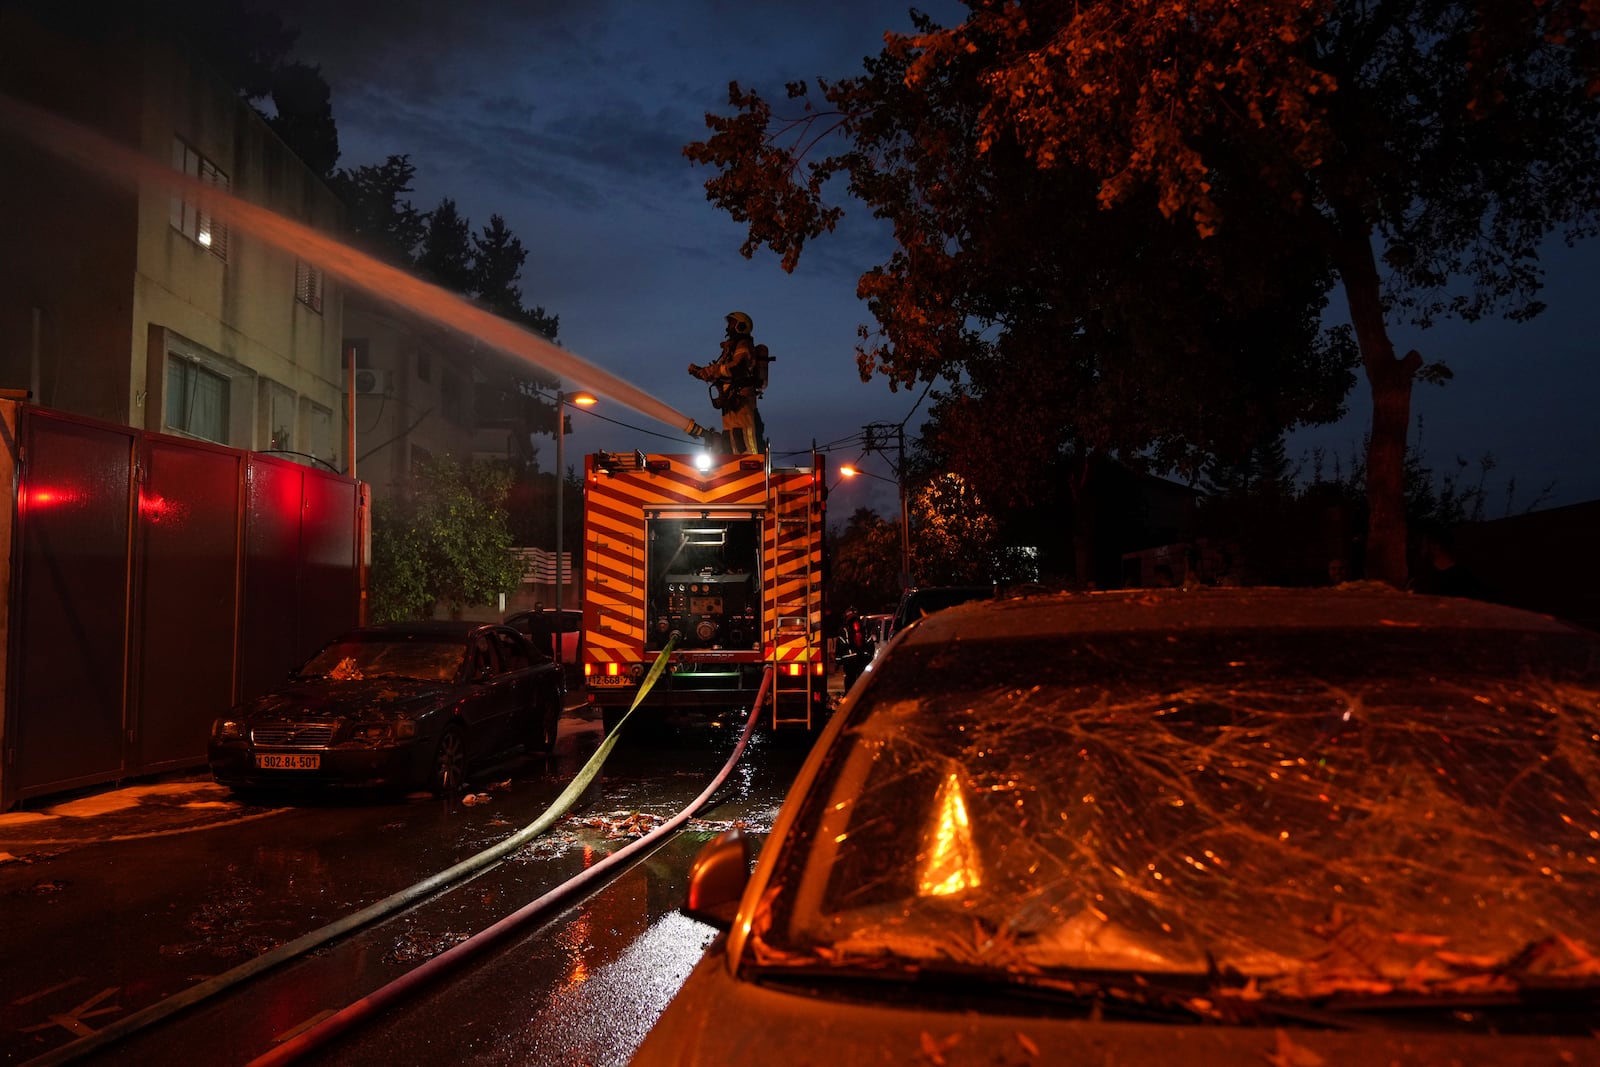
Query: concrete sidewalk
[(182, 802), (145, 809)]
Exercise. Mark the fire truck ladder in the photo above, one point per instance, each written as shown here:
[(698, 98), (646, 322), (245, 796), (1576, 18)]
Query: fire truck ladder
[(795, 603)]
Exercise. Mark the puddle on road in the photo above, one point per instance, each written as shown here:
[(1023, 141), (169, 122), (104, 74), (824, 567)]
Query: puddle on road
[(600, 1014), (419, 946), (761, 826), (226, 929), (47, 887), (547, 846)]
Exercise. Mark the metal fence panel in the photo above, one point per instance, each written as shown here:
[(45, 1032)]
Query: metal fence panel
[(329, 593), (271, 641), (187, 600), (155, 581), (69, 620)]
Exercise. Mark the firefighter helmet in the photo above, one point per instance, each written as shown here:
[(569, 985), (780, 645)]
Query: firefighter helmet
[(740, 322)]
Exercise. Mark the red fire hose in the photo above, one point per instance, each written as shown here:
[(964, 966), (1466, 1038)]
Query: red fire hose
[(412, 980)]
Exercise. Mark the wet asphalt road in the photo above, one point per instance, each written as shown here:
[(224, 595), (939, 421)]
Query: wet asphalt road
[(108, 913)]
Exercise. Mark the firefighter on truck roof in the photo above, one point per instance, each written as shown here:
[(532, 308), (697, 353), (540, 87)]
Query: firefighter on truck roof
[(737, 378)]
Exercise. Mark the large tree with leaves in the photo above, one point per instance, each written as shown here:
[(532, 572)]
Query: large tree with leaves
[(1068, 331), (379, 209), (1424, 148), (440, 244), (1454, 136), (446, 543), (445, 254), (864, 563)]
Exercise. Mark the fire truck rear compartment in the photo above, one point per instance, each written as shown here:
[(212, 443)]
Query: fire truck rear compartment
[(702, 583)]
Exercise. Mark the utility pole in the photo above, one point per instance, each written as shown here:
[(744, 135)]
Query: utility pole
[(582, 400), (875, 439), (905, 515), (561, 492)]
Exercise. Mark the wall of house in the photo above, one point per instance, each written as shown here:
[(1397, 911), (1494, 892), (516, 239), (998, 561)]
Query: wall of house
[(414, 412), (66, 234), (239, 313), (155, 581), (101, 288)]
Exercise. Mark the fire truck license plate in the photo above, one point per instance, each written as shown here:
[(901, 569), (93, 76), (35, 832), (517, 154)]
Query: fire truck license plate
[(292, 761), (610, 680)]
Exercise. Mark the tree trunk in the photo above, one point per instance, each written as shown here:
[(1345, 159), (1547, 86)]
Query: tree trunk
[(1390, 382), (1083, 522)]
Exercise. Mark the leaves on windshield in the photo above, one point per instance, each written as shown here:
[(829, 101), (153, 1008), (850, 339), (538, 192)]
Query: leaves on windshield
[(345, 670), (358, 661)]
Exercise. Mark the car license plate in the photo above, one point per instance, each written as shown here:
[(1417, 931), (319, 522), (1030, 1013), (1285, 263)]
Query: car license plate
[(604, 681), (288, 761)]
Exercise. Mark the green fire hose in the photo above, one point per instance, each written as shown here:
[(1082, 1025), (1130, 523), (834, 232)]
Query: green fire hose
[(139, 1020)]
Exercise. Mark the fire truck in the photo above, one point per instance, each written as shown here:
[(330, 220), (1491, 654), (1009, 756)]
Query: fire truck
[(722, 553)]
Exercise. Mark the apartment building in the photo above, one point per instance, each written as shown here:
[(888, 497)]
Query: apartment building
[(423, 390), (124, 301)]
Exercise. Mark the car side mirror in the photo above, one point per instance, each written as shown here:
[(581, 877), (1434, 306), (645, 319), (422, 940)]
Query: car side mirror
[(716, 881)]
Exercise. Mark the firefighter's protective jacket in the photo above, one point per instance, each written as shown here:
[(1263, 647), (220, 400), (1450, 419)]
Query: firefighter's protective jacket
[(736, 378)]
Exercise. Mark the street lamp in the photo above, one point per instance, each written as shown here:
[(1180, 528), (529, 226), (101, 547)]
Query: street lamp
[(850, 471), (582, 400)]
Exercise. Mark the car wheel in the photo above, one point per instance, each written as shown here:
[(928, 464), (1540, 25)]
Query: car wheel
[(449, 771)]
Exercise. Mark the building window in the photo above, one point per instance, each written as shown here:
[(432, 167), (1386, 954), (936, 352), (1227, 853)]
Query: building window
[(419, 456), (316, 424), (277, 412), (197, 400), (308, 285), (452, 400), (187, 217)]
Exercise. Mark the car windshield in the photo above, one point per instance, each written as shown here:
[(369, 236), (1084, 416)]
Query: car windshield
[(356, 660), (1422, 809)]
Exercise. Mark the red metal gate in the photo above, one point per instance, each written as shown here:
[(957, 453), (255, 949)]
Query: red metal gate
[(153, 582)]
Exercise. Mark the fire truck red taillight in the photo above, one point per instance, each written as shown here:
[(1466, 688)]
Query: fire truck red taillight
[(816, 668)]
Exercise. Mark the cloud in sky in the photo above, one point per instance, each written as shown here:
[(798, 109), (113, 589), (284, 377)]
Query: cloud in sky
[(568, 118)]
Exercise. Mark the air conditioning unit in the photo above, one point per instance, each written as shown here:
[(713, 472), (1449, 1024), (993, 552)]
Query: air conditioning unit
[(372, 383)]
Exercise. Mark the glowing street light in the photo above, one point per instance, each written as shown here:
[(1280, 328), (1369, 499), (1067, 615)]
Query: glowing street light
[(582, 400)]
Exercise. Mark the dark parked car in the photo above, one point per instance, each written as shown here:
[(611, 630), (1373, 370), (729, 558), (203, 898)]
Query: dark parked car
[(399, 705), (923, 600), (1219, 826)]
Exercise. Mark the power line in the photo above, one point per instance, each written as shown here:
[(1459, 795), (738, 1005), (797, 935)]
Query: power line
[(593, 414), (861, 436)]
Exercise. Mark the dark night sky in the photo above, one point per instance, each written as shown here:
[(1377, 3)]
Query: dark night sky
[(568, 117)]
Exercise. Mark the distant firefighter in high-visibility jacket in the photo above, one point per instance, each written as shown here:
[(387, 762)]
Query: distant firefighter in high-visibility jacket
[(737, 378)]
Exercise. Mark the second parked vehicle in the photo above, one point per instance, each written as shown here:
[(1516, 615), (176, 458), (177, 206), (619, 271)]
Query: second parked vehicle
[(401, 705), (924, 600)]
